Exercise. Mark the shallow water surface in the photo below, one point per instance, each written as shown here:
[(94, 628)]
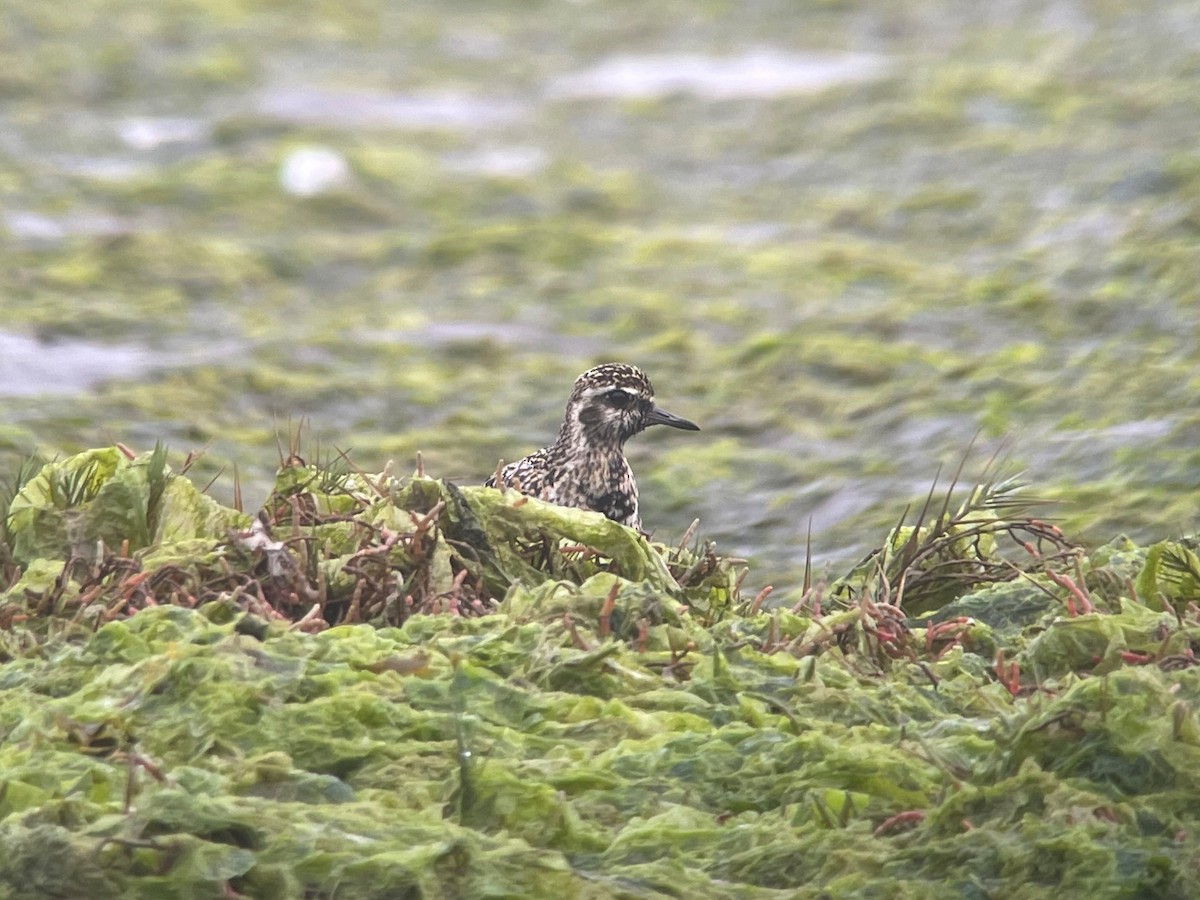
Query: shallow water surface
[(757, 72), (29, 367)]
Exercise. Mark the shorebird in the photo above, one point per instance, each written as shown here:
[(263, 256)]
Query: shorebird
[(586, 466)]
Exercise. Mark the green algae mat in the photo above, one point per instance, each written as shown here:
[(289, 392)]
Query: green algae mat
[(403, 688)]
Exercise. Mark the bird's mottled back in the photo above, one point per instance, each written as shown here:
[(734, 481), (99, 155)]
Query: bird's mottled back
[(586, 466)]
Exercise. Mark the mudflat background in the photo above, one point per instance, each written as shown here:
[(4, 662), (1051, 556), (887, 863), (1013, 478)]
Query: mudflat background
[(843, 237)]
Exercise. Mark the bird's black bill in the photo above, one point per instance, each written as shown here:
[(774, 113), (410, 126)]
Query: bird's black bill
[(662, 417)]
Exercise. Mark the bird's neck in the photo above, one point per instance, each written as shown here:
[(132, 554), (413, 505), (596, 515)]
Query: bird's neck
[(575, 439)]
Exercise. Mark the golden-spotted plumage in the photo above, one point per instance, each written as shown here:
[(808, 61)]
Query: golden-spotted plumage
[(586, 466)]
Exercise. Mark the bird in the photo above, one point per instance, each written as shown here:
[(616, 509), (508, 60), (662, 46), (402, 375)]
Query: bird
[(586, 466)]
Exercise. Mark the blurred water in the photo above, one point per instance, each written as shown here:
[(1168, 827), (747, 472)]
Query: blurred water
[(449, 109), (29, 367), (759, 72)]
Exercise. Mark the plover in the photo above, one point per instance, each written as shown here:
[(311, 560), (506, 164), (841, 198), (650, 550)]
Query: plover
[(586, 466)]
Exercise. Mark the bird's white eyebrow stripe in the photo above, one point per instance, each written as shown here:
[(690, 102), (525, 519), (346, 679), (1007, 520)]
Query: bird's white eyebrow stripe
[(597, 391)]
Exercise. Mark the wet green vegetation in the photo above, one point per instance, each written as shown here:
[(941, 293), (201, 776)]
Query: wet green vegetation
[(918, 222), (397, 687)]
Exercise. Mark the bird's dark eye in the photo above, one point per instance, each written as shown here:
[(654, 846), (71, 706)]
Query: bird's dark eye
[(618, 398)]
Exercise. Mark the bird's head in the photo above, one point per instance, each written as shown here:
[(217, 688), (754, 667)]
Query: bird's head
[(613, 402)]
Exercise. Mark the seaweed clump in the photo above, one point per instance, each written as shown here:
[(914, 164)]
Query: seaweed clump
[(107, 533), (384, 687)]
